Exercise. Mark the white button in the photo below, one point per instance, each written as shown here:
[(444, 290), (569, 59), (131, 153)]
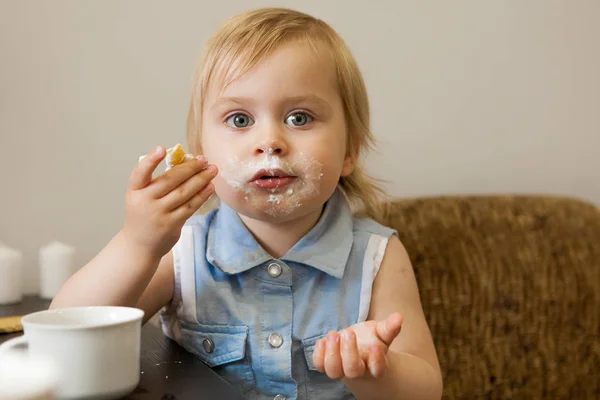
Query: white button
[(274, 270), (275, 340), (279, 397)]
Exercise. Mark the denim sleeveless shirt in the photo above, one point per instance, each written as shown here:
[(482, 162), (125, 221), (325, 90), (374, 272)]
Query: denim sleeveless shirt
[(254, 319)]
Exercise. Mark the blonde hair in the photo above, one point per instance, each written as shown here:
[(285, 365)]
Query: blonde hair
[(247, 38)]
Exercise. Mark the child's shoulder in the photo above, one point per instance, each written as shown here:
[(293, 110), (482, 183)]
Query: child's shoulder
[(366, 225)]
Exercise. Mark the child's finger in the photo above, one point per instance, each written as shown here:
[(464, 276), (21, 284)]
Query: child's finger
[(141, 175), (389, 328), (352, 363), (333, 359), (188, 189), (319, 355), (188, 209), (168, 181), (377, 361)]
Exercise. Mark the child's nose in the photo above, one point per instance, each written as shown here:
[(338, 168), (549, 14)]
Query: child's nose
[(272, 142), (270, 149)]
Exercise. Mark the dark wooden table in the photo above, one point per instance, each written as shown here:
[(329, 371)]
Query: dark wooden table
[(167, 371)]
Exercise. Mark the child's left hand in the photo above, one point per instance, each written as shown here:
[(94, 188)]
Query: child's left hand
[(357, 350)]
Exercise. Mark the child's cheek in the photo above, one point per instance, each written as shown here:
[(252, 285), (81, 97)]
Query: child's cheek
[(222, 188)]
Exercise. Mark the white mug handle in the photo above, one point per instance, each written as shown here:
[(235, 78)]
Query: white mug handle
[(11, 343)]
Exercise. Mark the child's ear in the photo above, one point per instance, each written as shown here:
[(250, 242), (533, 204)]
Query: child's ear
[(350, 161), (348, 165)]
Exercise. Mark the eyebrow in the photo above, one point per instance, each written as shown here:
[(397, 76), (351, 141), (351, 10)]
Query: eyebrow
[(310, 98), (237, 100)]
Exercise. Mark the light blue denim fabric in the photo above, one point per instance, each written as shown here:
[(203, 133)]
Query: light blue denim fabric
[(242, 303)]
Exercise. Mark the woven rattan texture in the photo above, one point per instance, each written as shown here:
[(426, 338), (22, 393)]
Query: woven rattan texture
[(511, 290)]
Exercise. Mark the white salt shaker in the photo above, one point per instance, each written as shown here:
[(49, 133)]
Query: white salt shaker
[(56, 266), (11, 275)]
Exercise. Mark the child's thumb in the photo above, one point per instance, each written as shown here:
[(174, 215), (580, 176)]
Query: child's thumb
[(141, 175), (389, 328)]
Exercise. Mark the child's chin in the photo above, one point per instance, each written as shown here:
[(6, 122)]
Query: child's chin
[(270, 212), (281, 213), (259, 208)]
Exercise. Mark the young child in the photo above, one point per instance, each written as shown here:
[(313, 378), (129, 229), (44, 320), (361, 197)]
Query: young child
[(284, 289)]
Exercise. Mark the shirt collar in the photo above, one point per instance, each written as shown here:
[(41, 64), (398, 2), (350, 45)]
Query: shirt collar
[(326, 247)]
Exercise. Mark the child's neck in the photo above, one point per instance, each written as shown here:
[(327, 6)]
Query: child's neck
[(277, 238)]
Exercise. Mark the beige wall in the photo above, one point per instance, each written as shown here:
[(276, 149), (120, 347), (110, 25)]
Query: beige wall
[(467, 97)]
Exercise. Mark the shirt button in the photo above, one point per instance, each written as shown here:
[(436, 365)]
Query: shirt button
[(275, 340), (279, 397), (208, 345), (274, 270)]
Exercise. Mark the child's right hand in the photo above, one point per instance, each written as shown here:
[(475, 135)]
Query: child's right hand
[(157, 208)]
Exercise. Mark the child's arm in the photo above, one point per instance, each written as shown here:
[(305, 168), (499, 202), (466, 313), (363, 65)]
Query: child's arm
[(392, 354), (121, 276), (136, 267)]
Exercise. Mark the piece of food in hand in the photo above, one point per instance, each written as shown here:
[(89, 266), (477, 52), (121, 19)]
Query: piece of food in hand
[(175, 155)]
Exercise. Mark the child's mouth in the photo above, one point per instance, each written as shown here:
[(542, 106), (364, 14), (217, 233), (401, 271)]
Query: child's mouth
[(272, 179)]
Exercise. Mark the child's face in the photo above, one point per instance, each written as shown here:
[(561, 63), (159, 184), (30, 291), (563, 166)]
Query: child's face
[(278, 136)]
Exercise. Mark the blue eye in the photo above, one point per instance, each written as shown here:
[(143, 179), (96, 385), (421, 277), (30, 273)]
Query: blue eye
[(298, 119), (239, 120)]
